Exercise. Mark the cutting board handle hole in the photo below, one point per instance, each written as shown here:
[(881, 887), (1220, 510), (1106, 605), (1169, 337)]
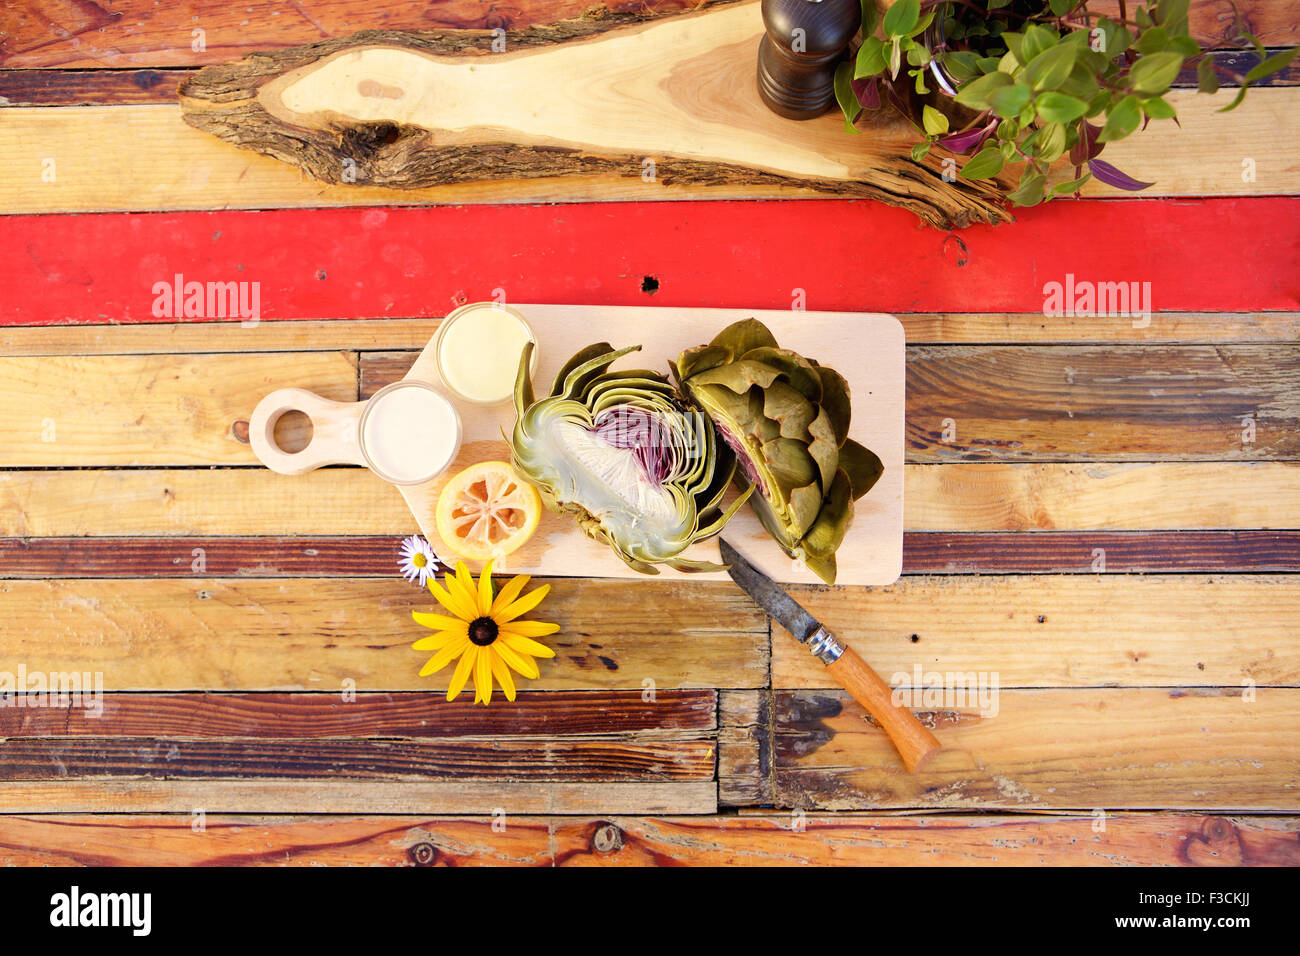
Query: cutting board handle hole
[(292, 431)]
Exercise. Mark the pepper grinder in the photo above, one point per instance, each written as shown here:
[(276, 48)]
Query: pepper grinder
[(797, 58)]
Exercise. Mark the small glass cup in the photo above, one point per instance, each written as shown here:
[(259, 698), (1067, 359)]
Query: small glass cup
[(448, 374), (375, 407)]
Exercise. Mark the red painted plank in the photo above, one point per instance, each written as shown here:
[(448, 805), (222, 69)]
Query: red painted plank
[(1205, 255)]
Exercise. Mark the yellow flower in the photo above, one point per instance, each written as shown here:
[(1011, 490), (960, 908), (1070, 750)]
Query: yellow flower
[(483, 632)]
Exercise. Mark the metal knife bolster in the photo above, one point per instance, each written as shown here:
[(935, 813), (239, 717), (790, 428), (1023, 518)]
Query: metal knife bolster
[(824, 646)]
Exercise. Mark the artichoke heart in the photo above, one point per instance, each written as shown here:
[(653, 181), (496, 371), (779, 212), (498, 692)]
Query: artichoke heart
[(787, 419), (633, 461)]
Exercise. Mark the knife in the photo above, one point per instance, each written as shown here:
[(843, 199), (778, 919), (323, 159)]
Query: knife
[(915, 744)]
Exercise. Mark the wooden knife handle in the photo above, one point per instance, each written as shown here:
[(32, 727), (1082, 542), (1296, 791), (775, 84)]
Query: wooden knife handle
[(915, 744)]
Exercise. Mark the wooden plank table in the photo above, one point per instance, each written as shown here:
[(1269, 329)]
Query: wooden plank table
[(1102, 512)]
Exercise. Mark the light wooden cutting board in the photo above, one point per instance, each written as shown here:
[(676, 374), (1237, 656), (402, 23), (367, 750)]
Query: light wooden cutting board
[(867, 349)]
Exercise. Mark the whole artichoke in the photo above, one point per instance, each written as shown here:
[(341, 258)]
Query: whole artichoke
[(787, 419), (623, 452)]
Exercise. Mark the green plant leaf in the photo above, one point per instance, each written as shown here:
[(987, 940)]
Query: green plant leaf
[(849, 104), (1059, 108), (1152, 41), (1037, 39), (1207, 81), (985, 164), (870, 60), (870, 17), (1173, 15), (1050, 68), (998, 4), (1061, 7), (919, 151), (1014, 42), (1122, 119), (1276, 62), (922, 24), (1063, 189), (975, 94), (935, 123), (1158, 108), (1236, 100), (902, 17), (1030, 190), (1008, 101), (895, 59), (1153, 74), (1051, 142)]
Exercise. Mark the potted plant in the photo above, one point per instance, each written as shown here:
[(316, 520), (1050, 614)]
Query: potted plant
[(1031, 83)]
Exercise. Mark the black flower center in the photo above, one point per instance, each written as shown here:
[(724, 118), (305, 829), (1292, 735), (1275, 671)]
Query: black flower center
[(482, 631)]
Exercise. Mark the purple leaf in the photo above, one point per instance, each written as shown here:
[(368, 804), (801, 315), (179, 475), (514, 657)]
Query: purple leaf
[(1111, 176), (1087, 147), (867, 92), (968, 141)]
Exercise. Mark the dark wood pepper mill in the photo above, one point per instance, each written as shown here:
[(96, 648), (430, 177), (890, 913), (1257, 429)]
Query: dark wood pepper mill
[(797, 58)]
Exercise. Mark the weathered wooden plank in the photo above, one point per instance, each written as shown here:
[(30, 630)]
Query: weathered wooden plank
[(846, 839), (554, 713), (214, 796), (142, 410), (351, 501), (329, 335), (141, 33), (178, 167), (667, 756), (60, 87), (1131, 839), (1050, 749), (963, 403), (320, 634), (136, 33), (304, 335), (1125, 402), (744, 747), (1062, 631), (1070, 403), (83, 87), (314, 634), (199, 502), (1123, 552), (1047, 497), (924, 552)]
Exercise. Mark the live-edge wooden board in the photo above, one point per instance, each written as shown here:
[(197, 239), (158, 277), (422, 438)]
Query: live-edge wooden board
[(867, 349), (676, 96)]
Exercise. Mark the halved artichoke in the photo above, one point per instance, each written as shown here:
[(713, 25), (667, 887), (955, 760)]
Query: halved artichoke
[(787, 419), (634, 462)]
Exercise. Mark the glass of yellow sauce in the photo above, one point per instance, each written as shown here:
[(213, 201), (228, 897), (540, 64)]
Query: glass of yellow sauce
[(477, 351)]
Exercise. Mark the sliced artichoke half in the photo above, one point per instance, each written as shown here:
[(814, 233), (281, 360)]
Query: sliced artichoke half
[(787, 419), (637, 465)]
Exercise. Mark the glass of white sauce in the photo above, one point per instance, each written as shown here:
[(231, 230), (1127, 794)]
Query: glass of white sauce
[(477, 351)]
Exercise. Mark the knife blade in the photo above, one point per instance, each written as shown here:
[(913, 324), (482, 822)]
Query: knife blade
[(768, 595), (915, 744)]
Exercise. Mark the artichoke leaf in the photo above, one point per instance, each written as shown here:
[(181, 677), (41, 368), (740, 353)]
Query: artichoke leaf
[(798, 371), (740, 337), (836, 401), (581, 358), (832, 524), (862, 467)]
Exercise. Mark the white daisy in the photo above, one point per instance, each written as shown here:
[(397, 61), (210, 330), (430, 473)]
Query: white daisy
[(417, 563)]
